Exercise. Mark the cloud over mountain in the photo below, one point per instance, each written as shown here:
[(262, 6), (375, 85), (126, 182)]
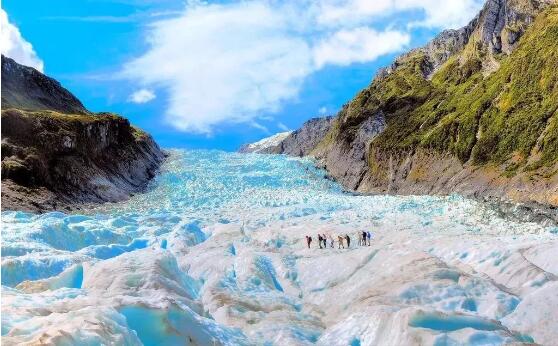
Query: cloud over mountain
[(234, 62), (15, 46)]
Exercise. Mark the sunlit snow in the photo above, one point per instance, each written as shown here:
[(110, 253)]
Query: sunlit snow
[(215, 254)]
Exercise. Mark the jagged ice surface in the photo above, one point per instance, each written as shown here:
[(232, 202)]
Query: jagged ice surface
[(215, 253)]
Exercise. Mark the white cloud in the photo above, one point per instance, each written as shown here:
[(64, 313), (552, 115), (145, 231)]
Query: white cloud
[(260, 127), (223, 64), (322, 110), (282, 126), (447, 14), (358, 45), (442, 14), (15, 46), (334, 12), (237, 62), (130, 18), (142, 96)]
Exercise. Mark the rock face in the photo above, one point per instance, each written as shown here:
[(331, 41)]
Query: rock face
[(56, 155), (347, 163), (496, 29), (296, 143), (302, 141)]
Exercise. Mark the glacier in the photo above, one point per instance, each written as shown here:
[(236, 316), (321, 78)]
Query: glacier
[(214, 253)]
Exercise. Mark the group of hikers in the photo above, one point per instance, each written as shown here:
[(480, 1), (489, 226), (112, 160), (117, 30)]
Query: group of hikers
[(363, 240)]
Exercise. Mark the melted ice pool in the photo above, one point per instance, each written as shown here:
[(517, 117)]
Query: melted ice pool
[(215, 253)]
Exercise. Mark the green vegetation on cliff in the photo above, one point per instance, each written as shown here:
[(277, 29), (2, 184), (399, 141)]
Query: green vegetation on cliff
[(480, 115), (507, 115)]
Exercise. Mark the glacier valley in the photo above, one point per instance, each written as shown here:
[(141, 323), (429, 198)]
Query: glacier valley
[(214, 253)]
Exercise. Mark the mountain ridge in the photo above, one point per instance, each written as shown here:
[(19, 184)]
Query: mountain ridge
[(25, 88)]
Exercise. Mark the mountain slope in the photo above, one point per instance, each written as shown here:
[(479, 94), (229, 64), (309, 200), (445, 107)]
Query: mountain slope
[(295, 143), (473, 112), (302, 141), (483, 123), (57, 155), (26, 88), (269, 145)]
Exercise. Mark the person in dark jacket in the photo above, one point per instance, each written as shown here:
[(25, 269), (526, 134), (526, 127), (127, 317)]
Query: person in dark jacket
[(320, 240), (308, 241), (348, 240)]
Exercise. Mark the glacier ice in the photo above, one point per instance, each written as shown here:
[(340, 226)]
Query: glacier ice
[(215, 254)]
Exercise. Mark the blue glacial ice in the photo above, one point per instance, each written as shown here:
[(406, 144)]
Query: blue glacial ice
[(215, 253)]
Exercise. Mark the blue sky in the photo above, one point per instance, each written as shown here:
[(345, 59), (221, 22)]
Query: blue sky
[(219, 74)]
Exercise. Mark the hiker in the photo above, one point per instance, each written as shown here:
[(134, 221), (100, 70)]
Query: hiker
[(363, 238), (331, 241), (325, 240), (348, 241), (340, 239), (308, 241), (320, 240), (369, 235)]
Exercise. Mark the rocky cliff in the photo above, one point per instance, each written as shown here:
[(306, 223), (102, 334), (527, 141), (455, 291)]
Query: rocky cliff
[(474, 112), (56, 155), (302, 141), (295, 143)]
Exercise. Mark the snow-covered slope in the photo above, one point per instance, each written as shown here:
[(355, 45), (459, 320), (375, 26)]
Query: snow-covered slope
[(268, 145), (215, 253)]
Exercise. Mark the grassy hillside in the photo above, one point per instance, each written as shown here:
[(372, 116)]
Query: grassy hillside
[(508, 116)]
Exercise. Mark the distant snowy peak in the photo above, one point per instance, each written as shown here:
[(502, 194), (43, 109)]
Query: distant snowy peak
[(295, 143), (268, 145)]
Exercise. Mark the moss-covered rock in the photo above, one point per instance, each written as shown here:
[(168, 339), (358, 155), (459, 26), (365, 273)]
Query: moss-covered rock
[(485, 119)]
